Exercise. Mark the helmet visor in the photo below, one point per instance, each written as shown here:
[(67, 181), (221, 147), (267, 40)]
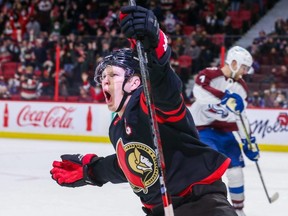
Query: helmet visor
[(124, 59)]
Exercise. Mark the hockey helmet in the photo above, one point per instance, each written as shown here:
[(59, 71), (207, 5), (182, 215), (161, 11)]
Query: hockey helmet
[(123, 58), (241, 56)]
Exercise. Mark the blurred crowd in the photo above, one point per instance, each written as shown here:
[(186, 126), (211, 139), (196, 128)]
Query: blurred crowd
[(270, 53), (87, 30), (269, 98)]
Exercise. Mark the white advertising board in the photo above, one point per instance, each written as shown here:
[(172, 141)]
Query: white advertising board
[(55, 118), (64, 120), (270, 126)]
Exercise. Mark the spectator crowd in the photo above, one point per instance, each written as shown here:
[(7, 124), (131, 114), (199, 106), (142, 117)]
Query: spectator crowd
[(269, 83), (86, 30)]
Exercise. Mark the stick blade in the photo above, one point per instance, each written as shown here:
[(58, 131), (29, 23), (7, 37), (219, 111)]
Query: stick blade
[(274, 197)]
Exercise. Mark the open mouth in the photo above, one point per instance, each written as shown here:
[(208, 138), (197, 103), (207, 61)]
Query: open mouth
[(107, 96)]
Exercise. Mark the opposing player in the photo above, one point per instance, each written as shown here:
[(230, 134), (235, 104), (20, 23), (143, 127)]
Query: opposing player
[(220, 95), (193, 170)]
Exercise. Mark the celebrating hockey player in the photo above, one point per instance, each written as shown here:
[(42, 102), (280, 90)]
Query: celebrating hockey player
[(193, 170), (220, 95)]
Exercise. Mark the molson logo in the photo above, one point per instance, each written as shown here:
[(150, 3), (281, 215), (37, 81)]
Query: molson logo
[(56, 117), (264, 127)]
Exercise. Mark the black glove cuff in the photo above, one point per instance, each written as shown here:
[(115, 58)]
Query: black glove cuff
[(88, 176)]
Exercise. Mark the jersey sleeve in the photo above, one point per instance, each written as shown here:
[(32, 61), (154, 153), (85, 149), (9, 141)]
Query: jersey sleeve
[(166, 88), (203, 91), (108, 170)]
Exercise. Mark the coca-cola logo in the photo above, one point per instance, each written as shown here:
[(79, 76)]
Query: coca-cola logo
[(264, 127), (56, 117)]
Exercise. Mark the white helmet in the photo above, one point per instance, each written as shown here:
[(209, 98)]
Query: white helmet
[(241, 56)]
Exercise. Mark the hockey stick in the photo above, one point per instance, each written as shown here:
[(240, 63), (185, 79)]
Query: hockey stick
[(167, 204), (275, 196)]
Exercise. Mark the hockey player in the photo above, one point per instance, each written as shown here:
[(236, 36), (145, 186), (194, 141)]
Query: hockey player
[(220, 95), (193, 170)]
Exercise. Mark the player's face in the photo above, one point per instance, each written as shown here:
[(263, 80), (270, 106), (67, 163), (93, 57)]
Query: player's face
[(242, 70), (112, 81)]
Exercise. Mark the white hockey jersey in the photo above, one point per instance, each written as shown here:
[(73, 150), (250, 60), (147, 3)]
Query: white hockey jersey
[(209, 89)]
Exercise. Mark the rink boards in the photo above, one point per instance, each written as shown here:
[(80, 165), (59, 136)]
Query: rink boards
[(90, 122)]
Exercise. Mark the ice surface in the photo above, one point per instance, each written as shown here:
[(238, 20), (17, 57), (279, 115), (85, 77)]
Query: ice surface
[(27, 189)]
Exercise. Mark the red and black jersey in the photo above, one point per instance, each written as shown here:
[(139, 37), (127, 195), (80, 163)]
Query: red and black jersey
[(188, 161)]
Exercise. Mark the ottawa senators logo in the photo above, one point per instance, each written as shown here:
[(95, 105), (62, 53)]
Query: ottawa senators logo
[(139, 164)]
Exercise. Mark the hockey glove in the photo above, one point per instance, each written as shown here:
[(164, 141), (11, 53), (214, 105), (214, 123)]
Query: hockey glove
[(141, 24), (251, 151), (233, 102), (73, 170)]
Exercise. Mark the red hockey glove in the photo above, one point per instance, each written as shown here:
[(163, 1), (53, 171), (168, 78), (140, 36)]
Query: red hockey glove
[(73, 170)]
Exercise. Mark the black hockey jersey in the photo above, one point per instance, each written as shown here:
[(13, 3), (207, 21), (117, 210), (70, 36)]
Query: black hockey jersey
[(188, 161)]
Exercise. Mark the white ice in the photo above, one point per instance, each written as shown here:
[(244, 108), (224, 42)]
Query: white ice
[(27, 189)]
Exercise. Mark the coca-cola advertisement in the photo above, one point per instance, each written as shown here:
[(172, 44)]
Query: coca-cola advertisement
[(56, 118), (6, 116), (89, 119), (82, 120)]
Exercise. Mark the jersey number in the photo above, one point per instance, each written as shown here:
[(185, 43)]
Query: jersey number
[(202, 78)]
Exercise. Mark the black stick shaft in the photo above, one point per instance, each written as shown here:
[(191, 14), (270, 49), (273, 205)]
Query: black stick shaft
[(168, 208), (257, 165)]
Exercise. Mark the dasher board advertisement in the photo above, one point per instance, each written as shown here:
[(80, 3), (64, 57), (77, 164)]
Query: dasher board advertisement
[(270, 126), (54, 118), (90, 122)]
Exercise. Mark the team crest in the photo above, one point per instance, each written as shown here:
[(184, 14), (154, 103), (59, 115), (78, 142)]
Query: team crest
[(139, 164)]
